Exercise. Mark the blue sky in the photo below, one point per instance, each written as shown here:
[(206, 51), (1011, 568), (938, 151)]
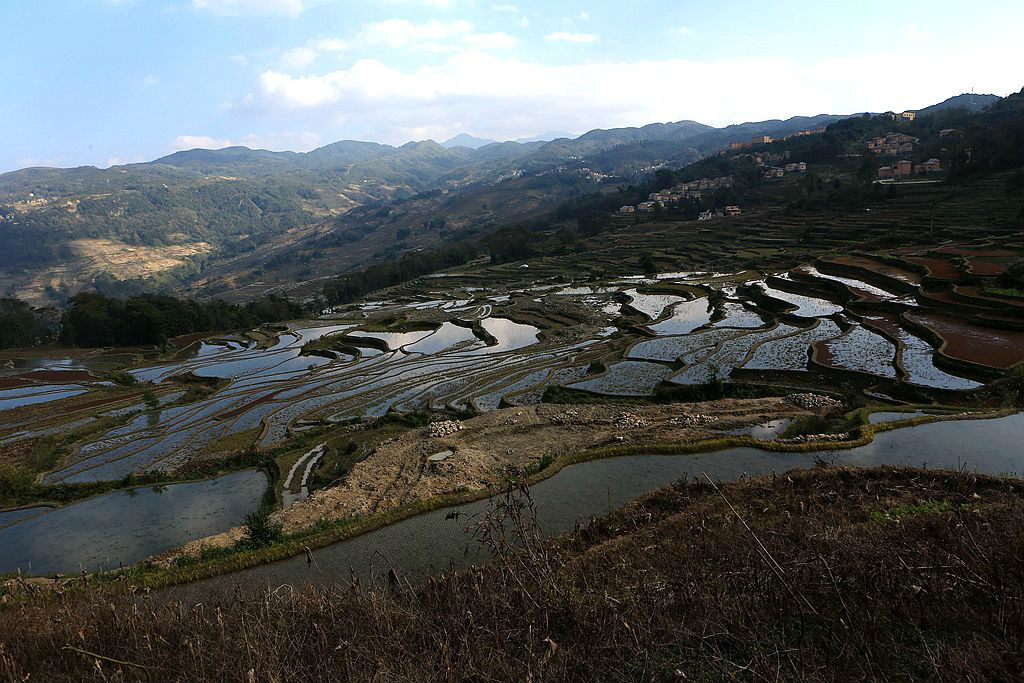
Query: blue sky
[(114, 81)]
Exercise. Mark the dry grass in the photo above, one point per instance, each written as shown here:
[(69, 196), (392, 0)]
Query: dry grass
[(829, 574)]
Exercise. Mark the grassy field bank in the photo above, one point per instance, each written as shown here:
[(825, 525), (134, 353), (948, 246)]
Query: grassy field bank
[(817, 575)]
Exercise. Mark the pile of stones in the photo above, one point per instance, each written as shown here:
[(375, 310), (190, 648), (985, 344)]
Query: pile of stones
[(444, 428), (568, 417), (693, 420), (630, 421), (812, 401), (812, 438)]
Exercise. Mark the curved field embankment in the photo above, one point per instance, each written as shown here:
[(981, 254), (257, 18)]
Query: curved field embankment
[(421, 493)]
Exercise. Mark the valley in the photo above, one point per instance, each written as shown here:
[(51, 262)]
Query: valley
[(535, 364), (319, 361)]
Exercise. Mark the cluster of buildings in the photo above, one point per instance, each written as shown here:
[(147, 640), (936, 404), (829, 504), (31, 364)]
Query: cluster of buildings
[(767, 158), (893, 144), (765, 139), (904, 168), (780, 171), (904, 116), (677, 193), (730, 210)]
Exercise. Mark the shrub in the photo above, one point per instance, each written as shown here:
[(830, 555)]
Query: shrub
[(122, 377), (260, 530)]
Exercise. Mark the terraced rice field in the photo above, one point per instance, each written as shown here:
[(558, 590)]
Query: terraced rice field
[(803, 306), (737, 315), (686, 317), (938, 268), (626, 378), (729, 354), (471, 354), (917, 357), (651, 305), (860, 350), (859, 287), (792, 352), (982, 345)]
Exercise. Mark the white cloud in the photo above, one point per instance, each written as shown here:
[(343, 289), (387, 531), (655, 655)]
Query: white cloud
[(402, 33), (503, 97), (291, 8), (490, 41), (506, 8), (438, 4), (300, 141), (298, 57), (194, 141), (120, 161), (241, 60), (149, 80), (330, 44), (571, 37), (583, 16), (916, 35), (682, 30)]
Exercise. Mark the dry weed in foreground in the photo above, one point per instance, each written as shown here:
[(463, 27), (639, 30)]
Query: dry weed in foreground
[(823, 575)]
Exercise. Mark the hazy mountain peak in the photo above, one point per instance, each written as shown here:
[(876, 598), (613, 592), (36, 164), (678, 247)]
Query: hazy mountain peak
[(466, 140), (546, 137)]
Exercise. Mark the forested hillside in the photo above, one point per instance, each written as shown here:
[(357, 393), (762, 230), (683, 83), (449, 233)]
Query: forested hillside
[(239, 222)]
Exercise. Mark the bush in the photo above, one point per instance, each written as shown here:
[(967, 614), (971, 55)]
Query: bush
[(1011, 387), (122, 377), (15, 481), (261, 531)]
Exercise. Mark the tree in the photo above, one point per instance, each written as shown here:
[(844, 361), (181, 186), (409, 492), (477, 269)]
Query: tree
[(868, 170), (18, 325), (150, 399)]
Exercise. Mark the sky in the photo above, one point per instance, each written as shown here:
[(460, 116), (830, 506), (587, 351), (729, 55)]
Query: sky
[(102, 82)]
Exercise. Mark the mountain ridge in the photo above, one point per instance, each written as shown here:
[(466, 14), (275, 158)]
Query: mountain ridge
[(220, 210)]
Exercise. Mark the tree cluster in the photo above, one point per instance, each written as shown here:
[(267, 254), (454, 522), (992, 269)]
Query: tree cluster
[(19, 325), (96, 320), (408, 266)]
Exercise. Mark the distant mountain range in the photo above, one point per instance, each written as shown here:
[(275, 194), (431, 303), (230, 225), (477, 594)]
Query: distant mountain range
[(467, 140), (219, 218)]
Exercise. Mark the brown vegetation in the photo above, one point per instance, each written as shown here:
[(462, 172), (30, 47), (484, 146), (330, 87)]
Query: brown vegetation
[(829, 574)]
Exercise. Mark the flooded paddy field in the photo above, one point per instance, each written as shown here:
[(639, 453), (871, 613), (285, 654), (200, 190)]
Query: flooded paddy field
[(443, 539), (123, 527), (443, 347)]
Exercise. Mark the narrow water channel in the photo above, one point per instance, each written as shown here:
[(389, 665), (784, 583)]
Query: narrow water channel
[(438, 540)]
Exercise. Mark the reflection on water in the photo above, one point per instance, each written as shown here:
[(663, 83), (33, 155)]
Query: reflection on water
[(446, 336), (765, 430), (806, 306), (686, 317), (396, 340), (437, 540), (126, 526), (892, 416), (28, 396), (510, 335), (651, 305), (626, 378)]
